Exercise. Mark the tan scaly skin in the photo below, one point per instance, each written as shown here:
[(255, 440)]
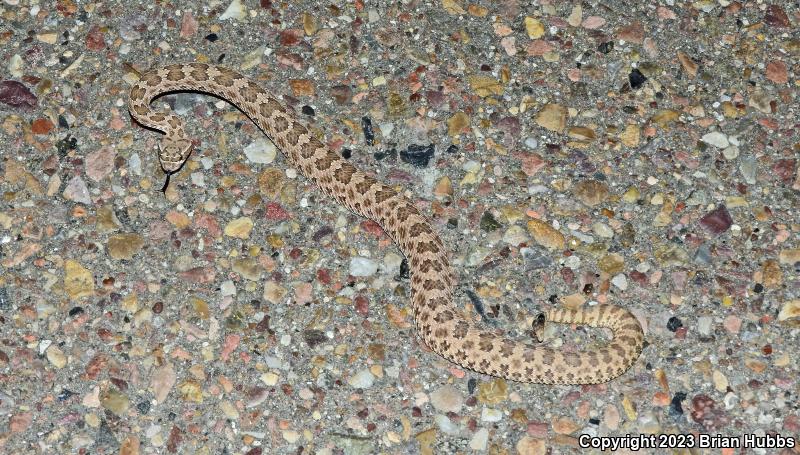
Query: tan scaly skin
[(441, 325)]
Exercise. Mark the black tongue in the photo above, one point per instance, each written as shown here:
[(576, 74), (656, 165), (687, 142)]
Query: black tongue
[(166, 183)]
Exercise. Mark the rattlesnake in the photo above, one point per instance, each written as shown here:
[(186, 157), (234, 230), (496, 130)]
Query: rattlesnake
[(442, 326)]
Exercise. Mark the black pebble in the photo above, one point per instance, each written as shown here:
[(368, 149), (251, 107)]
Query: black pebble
[(417, 155), (74, 311), (606, 47), (675, 407), (212, 37), (143, 407), (674, 324), (452, 149), (308, 110), (758, 288), (347, 153), (636, 78), (369, 134)]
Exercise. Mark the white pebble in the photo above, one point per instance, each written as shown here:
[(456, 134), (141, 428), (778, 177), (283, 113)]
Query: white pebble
[(445, 424), (361, 266), (620, 281), (447, 399), (361, 380), (491, 415), (261, 151), (479, 440), (198, 179), (716, 139), (704, 325), (603, 230), (730, 153), (234, 11), (228, 288), (531, 143)]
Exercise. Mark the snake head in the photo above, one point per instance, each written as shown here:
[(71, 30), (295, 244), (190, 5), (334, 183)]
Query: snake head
[(173, 152)]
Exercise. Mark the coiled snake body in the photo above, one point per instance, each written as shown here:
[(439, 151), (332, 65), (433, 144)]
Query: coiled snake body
[(443, 327)]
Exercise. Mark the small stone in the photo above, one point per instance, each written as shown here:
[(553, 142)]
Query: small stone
[(249, 268), (515, 235), (771, 274), (704, 325), (493, 392), (720, 381), (239, 228), (776, 17), (488, 222), (716, 139), (777, 72), (565, 425), (234, 11), (603, 230), (491, 415), (115, 402), (100, 163), (361, 380), (361, 266), (124, 246), (553, 117), (717, 221), (274, 292), (190, 390), (479, 440), (731, 153), (16, 94), (447, 399), (445, 424), (417, 155), (531, 446), (77, 191), (593, 22), (789, 256), (457, 124), (444, 187), (790, 310), (56, 356), (162, 381), (591, 192), (78, 281), (612, 263), (534, 28), (261, 151), (485, 86), (636, 78), (546, 235), (620, 281)]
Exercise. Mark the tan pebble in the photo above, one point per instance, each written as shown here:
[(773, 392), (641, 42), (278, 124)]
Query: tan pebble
[(273, 292), (582, 133), (534, 28), (56, 356), (130, 446), (493, 392), (591, 192), (178, 219), (124, 246), (789, 256), (444, 187), (546, 235), (564, 425), (115, 402), (190, 391), (720, 381), (630, 136), (249, 268), (239, 228), (553, 117), (790, 310), (78, 281), (457, 123), (612, 263), (531, 446)]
